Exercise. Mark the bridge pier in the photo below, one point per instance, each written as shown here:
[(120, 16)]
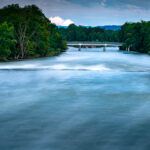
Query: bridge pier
[(79, 47), (129, 49), (104, 49)]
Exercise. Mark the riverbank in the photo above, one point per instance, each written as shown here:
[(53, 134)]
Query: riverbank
[(33, 57)]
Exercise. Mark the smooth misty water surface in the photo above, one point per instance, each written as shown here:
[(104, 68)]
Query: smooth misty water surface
[(88, 100)]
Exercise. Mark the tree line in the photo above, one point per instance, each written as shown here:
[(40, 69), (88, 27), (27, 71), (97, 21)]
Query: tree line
[(82, 33), (136, 36), (26, 32)]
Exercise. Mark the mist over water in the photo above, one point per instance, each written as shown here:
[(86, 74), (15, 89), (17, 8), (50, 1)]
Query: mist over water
[(88, 100)]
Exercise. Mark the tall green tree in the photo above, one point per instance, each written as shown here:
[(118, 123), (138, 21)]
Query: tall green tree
[(136, 36), (32, 32), (7, 40)]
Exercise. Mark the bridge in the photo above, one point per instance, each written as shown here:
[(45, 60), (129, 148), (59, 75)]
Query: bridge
[(94, 44)]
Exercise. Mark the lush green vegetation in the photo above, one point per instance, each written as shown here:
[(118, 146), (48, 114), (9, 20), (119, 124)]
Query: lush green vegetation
[(26, 32), (81, 33), (136, 36)]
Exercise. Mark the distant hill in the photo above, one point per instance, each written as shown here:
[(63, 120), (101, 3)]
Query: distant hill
[(107, 27), (111, 27)]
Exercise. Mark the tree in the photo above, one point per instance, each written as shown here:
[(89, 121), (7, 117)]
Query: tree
[(136, 36), (82, 33), (33, 32), (6, 40)]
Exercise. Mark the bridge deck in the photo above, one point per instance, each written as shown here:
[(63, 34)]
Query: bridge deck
[(113, 44)]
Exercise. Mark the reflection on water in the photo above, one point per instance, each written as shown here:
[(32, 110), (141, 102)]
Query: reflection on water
[(88, 100)]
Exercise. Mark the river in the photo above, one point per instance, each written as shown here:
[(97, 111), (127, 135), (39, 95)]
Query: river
[(88, 100)]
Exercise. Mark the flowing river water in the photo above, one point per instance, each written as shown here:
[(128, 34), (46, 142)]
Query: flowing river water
[(88, 100)]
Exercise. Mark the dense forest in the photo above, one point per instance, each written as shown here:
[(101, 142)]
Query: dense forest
[(136, 36), (26, 32), (81, 33)]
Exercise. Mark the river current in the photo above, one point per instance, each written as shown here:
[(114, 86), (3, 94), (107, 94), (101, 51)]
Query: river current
[(88, 100)]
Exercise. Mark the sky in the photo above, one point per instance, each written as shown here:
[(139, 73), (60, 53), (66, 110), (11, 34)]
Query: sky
[(90, 12)]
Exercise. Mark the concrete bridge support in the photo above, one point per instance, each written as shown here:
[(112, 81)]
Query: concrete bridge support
[(79, 47), (104, 49), (128, 49)]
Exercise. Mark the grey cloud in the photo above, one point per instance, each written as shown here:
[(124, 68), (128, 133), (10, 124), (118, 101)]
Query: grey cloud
[(91, 12)]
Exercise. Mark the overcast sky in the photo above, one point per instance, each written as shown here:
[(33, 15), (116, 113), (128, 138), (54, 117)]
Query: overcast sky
[(90, 12)]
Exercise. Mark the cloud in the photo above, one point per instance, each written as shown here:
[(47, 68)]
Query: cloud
[(90, 12), (61, 22), (103, 2)]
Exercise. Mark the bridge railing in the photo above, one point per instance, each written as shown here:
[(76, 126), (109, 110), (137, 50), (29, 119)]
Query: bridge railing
[(88, 42)]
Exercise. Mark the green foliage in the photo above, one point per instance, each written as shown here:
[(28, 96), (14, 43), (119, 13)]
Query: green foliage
[(81, 33), (56, 41), (136, 36), (6, 40), (33, 33)]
